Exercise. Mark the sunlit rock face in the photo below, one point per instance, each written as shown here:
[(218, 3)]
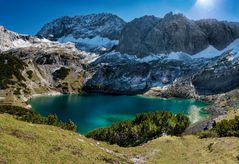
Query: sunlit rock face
[(92, 33), (88, 26)]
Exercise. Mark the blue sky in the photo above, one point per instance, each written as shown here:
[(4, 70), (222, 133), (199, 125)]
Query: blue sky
[(28, 16)]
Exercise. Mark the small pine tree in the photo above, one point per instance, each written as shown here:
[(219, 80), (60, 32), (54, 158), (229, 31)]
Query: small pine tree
[(52, 120), (70, 125)]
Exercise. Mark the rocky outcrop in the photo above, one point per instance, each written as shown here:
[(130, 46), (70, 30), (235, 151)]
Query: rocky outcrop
[(175, 33), (44, 62), (9, 39), (40, 59), (87, 26), (219, 33), (219, 76), (121, 76), (134, 35), (142, 36)]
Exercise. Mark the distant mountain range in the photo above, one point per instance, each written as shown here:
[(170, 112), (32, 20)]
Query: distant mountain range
[(103, 53), (143, 36)]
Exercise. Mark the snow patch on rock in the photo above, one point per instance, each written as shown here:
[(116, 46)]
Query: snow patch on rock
[(208, 53), (212, 52), (20, 43), (96, 41)]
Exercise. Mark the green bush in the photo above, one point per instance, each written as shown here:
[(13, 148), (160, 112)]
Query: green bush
[(52, 120), (35, 118), (29, 73), (144, 127), (227, 128), (207, 134), (61, 73), (70, 125)]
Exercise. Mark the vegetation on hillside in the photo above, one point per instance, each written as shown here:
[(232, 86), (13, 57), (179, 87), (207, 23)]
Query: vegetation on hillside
[(144, 127), (223, 128), (227, 128), (22, 142), (35, 118), (49, 144), (61, 73), (29, 74), (10, 67)]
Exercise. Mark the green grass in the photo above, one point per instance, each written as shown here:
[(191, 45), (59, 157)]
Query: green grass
[(22, 142), (35, 118)]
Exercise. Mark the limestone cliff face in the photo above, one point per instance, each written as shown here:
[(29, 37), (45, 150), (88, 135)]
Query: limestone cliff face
[(135, 34), (87, 26), (218, 76), (142, 36), (134, 77), (219, 33), (175, 33)]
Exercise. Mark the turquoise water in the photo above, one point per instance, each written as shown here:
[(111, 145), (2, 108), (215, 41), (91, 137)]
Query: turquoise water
[(94, 111)]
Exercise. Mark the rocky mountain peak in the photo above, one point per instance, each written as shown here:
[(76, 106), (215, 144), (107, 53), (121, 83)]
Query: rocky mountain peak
[(134, 34), (8, 38), (171, 15), (2, 28), (172, 33), (219, 33), (144, 36), (86, 26), (175, 33), (14, 42)]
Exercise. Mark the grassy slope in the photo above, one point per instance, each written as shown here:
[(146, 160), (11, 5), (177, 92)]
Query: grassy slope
[(24, 143)]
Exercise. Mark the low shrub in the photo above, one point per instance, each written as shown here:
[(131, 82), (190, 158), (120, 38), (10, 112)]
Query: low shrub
[(144, 127), (227, 128), (29, 74), (61, 73), (207, 134)]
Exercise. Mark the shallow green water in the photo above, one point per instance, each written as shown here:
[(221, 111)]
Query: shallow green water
[(94, 111)]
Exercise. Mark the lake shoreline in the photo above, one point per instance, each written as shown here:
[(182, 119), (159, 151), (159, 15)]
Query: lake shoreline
[(212, 108), (52, 93), (111, 108)]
